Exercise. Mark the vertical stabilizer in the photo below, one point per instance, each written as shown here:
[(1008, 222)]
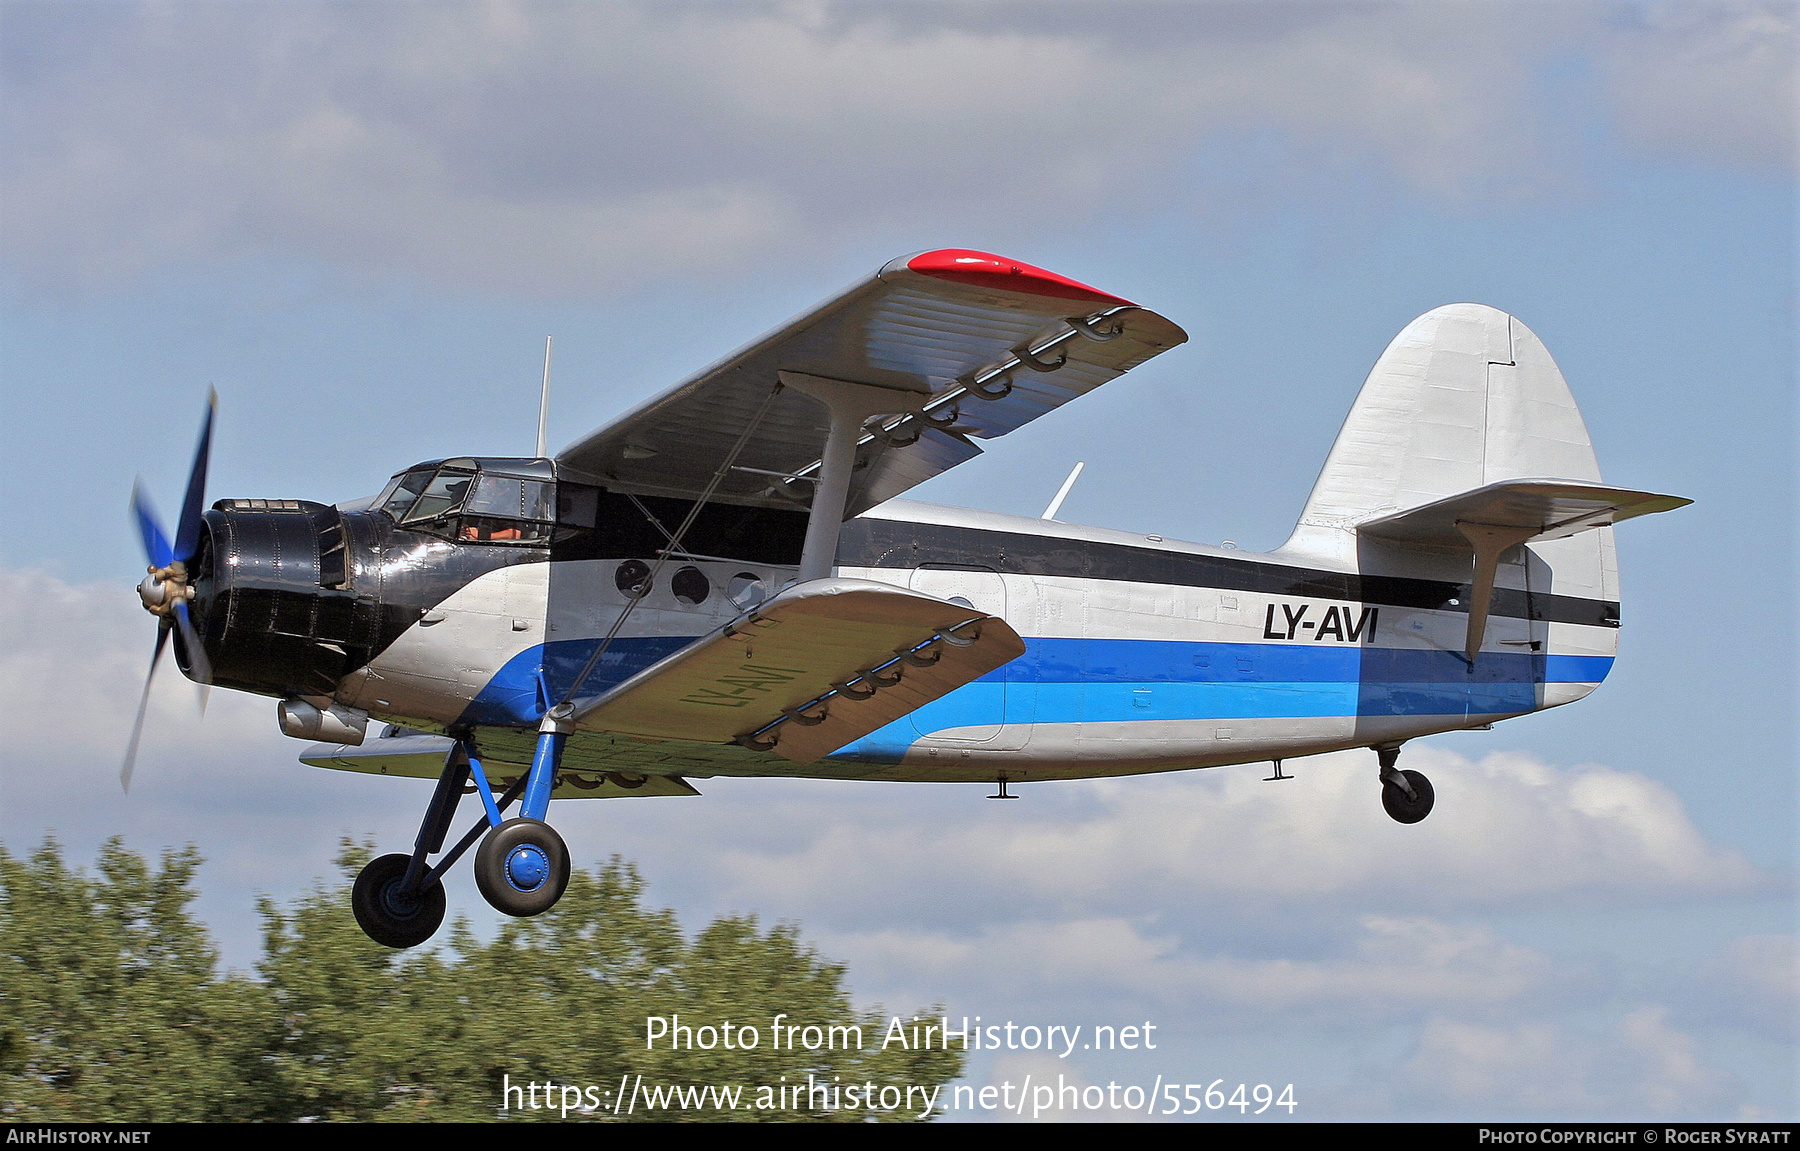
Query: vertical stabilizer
[(1465, 396), (1466, 419)]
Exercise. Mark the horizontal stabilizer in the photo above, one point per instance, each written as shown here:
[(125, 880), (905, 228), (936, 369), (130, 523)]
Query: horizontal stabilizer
[(1543, 509), (1489, 520), (416, 755), (815, 668)]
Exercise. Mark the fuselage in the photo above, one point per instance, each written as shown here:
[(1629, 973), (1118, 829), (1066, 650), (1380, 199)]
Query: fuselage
[(1142, 654)]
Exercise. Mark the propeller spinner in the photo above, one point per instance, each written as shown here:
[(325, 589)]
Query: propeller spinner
[(166, 590)]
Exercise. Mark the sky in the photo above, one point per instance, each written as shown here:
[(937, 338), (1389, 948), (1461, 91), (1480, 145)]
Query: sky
[(359, 223)]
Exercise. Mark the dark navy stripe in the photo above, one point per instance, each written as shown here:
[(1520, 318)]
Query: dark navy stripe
[(900, 544)]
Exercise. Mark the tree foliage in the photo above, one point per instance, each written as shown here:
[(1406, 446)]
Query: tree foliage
[(111, 1007)]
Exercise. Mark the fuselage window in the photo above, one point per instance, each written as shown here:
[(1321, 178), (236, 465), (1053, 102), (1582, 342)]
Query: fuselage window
[(690, 586), (633, 578), (746, 590)]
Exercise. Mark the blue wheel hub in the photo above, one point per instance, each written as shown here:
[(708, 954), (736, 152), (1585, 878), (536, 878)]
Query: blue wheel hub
[(527, 867)]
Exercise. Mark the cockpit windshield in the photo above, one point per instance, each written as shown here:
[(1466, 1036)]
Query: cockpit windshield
[(464, 500), (405, 488), (443, 495)]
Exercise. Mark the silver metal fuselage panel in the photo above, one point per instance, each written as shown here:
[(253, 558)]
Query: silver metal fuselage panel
[(1122, 675)]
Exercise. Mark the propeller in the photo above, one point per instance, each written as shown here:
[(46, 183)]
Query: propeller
[(166, 590)]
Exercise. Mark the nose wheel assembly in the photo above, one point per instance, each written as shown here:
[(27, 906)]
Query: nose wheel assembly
[(521, 868)]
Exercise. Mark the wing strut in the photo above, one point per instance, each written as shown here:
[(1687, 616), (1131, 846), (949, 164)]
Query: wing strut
[(851, 405), (558, 721)]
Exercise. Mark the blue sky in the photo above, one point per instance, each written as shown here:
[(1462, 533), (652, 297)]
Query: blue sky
[(359, 224)]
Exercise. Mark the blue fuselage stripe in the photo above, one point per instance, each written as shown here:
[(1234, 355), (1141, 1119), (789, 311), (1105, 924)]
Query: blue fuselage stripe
[(1113, 680)]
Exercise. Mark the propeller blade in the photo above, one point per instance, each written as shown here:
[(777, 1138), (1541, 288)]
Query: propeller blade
[(156, 541), (187, 530), (137, 726)]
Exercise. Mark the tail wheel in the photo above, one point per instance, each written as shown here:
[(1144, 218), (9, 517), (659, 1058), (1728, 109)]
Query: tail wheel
[(386, 913), (522, 867), (1403, 807)]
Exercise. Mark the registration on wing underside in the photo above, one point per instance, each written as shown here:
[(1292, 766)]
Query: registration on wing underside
[(817, 667)]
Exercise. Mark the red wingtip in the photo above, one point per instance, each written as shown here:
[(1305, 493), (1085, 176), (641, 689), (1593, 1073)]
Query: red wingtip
[(986, 270)]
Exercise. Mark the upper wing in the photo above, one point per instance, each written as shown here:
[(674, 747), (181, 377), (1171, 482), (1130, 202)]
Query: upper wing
[(995, 342)]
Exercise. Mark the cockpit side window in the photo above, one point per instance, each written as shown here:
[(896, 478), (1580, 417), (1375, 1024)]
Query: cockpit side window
[(512, 498), (462, 499), (508, 509)]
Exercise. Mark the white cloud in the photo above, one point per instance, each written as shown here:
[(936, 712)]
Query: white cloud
[(72, 665), (1713, 81), (551, 149), (1386, 969), (1508, 828), (1753, 985), (1639, 1066)]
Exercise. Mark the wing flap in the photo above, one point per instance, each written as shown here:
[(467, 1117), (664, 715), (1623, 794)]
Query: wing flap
[(817, 667)]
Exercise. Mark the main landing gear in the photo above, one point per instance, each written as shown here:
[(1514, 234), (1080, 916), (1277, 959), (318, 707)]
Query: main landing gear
[(1406, 795), (521, 868)]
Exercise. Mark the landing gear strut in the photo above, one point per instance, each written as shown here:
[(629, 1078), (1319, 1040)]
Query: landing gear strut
[(1406, 795), (522, 867)]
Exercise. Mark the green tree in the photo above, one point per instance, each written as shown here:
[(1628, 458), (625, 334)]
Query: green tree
[(109, 1005), (110, 1008)]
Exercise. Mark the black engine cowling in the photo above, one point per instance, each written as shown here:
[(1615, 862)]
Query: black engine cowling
[(292, 595)]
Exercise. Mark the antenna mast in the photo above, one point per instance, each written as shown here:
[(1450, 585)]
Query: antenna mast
[(1062, 494), (544, 400)]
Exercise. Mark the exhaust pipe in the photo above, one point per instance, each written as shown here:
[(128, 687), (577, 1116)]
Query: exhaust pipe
[(335, 724)]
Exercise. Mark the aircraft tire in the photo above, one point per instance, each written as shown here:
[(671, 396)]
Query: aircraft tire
[(1404, 808), (383, 916), (522, 867)]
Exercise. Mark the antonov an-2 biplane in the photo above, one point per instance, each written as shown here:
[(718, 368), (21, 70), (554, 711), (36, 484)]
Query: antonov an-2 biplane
[(722, 582)]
